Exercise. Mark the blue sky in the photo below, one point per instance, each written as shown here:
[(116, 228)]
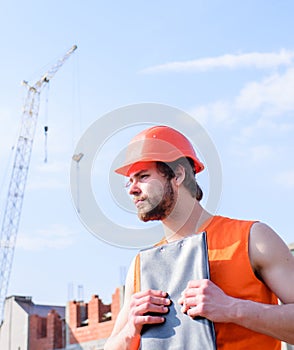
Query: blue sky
[(229, 64)]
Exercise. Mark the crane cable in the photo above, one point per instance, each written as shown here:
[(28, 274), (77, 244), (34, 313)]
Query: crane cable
[(46, 128), (46, 144)]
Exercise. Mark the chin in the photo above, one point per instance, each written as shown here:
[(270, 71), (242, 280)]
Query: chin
[(145, 217), (150, 219)]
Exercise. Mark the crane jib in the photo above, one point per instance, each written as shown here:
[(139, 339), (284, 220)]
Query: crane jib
[(16, 189)]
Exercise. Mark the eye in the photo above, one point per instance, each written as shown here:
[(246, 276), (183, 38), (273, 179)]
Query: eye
[(128, 184), (144, 176)]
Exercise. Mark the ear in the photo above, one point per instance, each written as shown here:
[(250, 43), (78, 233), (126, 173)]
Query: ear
[(180, 175)]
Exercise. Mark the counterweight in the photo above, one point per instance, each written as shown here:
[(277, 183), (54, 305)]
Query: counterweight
[(17, 184)]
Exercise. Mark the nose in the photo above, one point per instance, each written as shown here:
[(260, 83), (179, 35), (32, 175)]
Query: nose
[(134, 189)]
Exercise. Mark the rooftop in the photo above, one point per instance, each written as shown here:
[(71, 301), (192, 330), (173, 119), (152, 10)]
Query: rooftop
[(34, 309)]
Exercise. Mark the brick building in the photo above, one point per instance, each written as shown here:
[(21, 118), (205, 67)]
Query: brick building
[(79, 325), (30, 326), (90, 324)]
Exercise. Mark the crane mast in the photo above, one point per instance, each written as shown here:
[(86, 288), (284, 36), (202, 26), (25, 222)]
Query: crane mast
[(17, 184)]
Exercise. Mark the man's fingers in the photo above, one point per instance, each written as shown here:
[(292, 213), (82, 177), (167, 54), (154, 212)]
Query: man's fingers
[(151, 308), (151, 299), (151, 292), (147, 319), (144, 304)]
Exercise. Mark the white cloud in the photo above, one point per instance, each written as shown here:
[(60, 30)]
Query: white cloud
[(8, 131), (255, 155), (55, 167), (286, 179), (261, 153), (55, 237), (51, 175), (47, 184), (260, 120), (229, 61), (265, 125), (218, 112), (274, 94), (270, 99)]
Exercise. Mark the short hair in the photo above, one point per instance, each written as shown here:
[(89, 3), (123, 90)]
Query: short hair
[(168, 170)]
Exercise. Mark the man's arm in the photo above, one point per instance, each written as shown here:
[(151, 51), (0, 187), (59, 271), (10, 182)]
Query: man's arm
[(272, 261), (134, 314)]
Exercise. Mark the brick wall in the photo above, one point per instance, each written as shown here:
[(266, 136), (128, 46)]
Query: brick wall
[(46, 333), (98, 325), (86, 322)]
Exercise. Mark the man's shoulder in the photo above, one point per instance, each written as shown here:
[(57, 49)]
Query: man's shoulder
[(225, 220)]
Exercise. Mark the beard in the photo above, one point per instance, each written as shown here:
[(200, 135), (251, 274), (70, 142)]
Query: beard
[(163, 208)]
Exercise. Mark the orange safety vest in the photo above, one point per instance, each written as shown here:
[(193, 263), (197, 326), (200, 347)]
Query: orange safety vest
[(230, 269)]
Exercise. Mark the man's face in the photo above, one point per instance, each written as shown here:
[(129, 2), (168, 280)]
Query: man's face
[(152, 193)]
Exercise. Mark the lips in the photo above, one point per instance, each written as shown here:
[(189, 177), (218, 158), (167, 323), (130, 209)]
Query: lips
[(138, 201)]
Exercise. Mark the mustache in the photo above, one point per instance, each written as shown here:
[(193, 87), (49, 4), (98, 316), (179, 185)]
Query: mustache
[(139, 198)]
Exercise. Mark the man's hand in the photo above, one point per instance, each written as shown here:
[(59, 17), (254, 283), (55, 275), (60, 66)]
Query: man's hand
[(144, 307), (203, 298)]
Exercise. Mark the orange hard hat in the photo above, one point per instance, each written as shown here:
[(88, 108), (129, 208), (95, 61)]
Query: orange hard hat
[(158, 143)]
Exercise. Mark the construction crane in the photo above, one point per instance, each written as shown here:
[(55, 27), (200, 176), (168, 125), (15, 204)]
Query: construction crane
[(17, 184)]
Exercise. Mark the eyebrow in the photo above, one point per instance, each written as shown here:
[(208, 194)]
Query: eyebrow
[(136, 175)]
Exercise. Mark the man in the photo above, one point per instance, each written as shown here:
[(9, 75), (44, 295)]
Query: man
[(250, 266)]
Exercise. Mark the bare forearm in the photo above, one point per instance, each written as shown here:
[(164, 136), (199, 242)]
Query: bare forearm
[(273, 320), (122, 341)]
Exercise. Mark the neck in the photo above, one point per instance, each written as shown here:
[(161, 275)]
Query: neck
[(185, 221)]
